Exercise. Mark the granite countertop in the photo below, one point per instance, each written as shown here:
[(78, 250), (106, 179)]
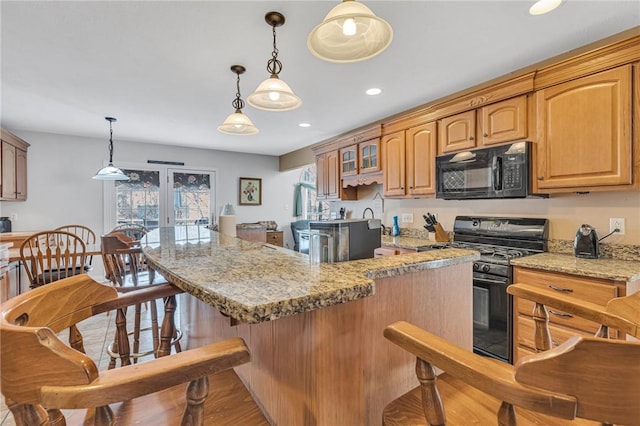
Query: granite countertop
[(410, 243), (256, 282), (609, 269)]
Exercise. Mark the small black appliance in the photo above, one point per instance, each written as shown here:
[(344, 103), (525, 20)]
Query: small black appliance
[(5, 224), (586, 244)]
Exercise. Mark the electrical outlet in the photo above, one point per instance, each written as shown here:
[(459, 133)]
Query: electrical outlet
[(13, 217), (407, 217), (616, 223)]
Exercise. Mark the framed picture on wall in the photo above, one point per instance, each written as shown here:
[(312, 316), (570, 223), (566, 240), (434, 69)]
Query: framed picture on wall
[(250, 193)]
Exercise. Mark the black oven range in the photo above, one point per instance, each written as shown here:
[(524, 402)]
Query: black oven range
[(498, 239)]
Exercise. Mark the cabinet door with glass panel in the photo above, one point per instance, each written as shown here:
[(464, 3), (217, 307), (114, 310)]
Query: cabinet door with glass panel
[(349, 161), (360, 158), (369, 157)]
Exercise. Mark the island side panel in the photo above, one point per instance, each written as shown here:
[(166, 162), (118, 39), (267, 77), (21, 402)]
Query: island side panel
[(333, 366), (361, 366)]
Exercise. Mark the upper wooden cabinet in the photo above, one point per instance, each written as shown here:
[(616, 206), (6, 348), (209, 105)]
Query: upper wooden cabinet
[(328, 175), (492, 124), (360, 158), (347, 161), (457, 132), (503, 121), (14, 167), (409, 159), (585, 133)]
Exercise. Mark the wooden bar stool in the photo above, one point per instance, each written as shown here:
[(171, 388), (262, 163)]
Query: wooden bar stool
[(42, 376), (122, 259), (581, 381)]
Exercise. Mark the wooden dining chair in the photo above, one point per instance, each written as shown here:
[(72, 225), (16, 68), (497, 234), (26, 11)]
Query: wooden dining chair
[(52, 255), (40, 375), (582, 381), (122, 258), (86, 234), (132, 230), (49, 256)]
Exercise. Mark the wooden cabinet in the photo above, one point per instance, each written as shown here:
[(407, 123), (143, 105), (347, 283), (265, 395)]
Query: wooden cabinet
[(492, 124), (503, 121), (561, 324), (457, 133), (328, 173), (584, 132), (409, 160), (360, 158), (276, 238), (14, 168), (348, 161)]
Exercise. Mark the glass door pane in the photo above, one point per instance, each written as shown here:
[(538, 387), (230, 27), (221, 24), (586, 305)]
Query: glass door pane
[(137, 200), (193, 196)]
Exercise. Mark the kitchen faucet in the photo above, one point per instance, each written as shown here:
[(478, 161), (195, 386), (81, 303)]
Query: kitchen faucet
[(365, 211)]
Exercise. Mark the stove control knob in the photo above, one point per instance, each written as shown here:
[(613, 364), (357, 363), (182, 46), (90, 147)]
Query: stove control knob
[(485, 268), (476, 267)]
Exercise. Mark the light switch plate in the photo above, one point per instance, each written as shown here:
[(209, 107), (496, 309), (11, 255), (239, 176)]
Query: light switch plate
[(407, 217)]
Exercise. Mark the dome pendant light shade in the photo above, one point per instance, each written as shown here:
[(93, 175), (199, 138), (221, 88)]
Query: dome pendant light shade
[(110, 172), (238, 123), (274, 94), (350, 32)]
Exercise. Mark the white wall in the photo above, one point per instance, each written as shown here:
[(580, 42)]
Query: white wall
[(61, 191)]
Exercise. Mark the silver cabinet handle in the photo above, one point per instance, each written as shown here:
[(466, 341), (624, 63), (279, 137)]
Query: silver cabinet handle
[(560, 314), (560, 289)]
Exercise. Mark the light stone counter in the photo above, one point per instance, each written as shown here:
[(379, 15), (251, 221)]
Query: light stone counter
[(255, 282), (609, 269), (407, 242)]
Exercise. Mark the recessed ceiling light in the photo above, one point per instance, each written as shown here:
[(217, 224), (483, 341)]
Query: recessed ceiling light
[(304, 124), (544, 6), (373, 91)]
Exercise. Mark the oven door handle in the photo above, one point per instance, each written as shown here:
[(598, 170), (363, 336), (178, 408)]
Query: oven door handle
[(489, 281)]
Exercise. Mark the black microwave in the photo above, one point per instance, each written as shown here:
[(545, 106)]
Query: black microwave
[(496, 172)]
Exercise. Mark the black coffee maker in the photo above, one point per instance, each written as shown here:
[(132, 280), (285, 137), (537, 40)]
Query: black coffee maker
[(586, 243)]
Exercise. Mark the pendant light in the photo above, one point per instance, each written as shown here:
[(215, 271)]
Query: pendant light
[(274, 94), (238, 123), (110, 172), (350, 32)]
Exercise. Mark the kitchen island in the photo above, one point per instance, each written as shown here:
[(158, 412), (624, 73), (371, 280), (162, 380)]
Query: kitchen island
[(315, 330)]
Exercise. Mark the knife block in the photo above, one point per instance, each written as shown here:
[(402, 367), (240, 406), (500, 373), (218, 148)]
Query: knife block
[(441, 235)]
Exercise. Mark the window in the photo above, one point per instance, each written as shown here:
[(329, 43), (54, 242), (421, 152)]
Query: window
[(310, 207)]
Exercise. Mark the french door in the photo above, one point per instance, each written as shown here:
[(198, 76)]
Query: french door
[(157, 195)]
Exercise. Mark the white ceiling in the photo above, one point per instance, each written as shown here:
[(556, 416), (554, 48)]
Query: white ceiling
[(162, 67)]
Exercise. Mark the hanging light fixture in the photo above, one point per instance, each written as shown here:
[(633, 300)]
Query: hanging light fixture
[(274, 94), (238, 123), (110, 172), (350, 32)]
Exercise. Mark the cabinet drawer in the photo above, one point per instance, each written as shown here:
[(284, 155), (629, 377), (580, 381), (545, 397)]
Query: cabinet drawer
[(523, 351), (556, 316), (275, 238), (587, 289), (559, 334)]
